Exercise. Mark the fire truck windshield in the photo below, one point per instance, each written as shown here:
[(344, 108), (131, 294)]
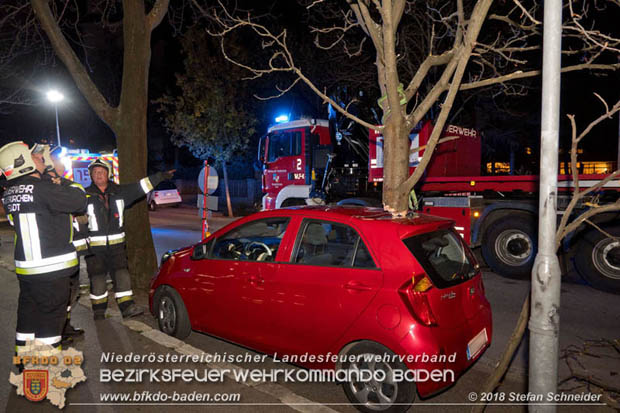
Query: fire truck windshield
[(283, 144)]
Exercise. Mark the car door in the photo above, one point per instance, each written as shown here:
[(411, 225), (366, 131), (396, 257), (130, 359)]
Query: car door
[(330, 279), (230, 281)]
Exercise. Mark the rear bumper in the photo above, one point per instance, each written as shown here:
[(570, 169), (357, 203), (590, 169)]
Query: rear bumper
[(167, 201), (442, 360)]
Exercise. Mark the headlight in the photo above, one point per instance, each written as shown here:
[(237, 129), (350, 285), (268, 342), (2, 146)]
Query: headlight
[(166, 256)]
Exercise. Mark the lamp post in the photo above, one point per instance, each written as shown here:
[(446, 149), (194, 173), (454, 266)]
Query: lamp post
[(55, 96)]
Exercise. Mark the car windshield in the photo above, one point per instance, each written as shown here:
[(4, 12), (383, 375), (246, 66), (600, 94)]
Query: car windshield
[(162, 186), (284, 144), (444, 257)]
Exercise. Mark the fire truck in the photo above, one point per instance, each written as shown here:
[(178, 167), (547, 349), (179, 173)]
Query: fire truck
[(76, 163), (308, 162)]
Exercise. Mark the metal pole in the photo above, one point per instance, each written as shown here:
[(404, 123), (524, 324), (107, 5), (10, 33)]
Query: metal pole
[(544, 321), (57, 127), (205, 224)]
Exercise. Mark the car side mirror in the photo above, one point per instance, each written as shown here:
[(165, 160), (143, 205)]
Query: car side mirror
[(200, 252)]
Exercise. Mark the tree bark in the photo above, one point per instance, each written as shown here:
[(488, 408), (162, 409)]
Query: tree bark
[(395, 137), (131, 137), (396, 166)]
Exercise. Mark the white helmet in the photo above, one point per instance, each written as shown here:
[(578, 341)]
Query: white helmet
[(100, 162), (16, 160), (47, 157)]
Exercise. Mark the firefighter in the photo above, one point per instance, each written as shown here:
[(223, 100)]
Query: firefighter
[(106, 237), (45, 257), (56, 170)]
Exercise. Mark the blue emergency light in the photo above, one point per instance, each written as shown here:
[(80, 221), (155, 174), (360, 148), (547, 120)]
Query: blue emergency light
[(281, 118)]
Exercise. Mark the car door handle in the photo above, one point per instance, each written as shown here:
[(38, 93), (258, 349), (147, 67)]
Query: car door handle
[(255, 279), (357, 286)]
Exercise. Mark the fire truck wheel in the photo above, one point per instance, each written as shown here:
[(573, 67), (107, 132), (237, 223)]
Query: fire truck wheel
[(509, 246), (597, 259)]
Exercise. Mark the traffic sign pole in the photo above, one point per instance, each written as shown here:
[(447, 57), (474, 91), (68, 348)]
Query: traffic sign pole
[(205, 224)]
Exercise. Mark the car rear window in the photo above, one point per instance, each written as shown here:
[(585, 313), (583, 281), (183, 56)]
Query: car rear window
[(444, 257), (162, 186)]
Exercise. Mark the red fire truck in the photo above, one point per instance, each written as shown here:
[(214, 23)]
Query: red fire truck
[(307, 162)]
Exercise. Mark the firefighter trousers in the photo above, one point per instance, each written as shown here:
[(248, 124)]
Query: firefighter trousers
[(114, 263), (74, 289), (41, 311)]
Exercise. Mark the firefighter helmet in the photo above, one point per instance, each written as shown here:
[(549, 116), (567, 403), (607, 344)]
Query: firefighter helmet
[(16, 160), (103, 164), (47, 158)]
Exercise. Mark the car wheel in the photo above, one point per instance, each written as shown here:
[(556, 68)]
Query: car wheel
[(597, 259), (171, 313), (509, 246), (152, 206), (376, 395)]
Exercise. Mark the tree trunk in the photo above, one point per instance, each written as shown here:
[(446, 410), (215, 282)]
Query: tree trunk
[(131, 138), (396, 166), (228, 203)]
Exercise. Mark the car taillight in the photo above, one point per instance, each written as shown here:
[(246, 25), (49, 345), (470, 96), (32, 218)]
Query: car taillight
[(415, 297), (156, 194)]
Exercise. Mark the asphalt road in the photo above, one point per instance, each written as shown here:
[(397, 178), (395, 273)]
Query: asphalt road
[(585, 314)]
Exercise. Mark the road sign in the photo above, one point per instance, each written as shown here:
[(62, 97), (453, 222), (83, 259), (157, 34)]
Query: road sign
[(212, 181)]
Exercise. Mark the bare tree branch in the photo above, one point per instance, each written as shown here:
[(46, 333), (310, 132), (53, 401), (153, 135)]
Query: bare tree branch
[(157, 13)]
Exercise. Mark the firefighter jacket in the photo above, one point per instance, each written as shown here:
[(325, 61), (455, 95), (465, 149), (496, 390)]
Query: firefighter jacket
[(80, 226), (41, 212), (105, 211)]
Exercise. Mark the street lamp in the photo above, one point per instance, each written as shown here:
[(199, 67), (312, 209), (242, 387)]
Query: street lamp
[(55, 96)]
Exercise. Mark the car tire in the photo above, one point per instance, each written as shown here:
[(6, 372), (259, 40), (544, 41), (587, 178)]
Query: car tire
[(509, 246), (597, 259), (373, 396), (152, 206), (171, 313)]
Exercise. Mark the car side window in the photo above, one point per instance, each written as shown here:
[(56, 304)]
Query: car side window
[(255, 241), (362, 257), (326, 243)]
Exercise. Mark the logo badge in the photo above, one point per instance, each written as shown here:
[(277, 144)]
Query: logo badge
[(448, 296), (36, 384)]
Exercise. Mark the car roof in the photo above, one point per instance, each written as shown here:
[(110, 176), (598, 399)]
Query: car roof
[(367, 216)]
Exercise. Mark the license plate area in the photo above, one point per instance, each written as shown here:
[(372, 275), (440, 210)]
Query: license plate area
[(476, 344)]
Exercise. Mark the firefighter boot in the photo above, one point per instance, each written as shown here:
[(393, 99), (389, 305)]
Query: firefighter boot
[(132, 311), (70, 331)]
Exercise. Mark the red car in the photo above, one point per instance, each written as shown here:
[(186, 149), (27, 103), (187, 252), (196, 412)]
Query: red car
[(344, 281)]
